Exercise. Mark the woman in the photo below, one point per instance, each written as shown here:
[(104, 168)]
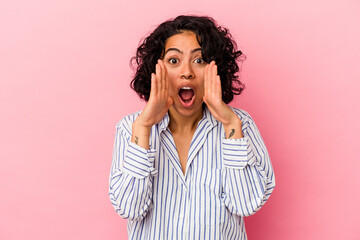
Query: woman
[(188, 166)]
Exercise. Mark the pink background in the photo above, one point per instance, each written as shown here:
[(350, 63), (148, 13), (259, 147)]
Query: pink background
[(64, 71)]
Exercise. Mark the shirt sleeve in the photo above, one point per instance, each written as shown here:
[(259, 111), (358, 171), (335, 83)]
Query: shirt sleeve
[(131, 176), (248, 176)]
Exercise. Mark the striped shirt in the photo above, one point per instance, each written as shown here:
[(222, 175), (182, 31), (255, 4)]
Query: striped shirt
[(225, 180)]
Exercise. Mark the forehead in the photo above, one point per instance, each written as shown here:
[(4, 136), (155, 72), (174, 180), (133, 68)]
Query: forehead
[(182, 40)]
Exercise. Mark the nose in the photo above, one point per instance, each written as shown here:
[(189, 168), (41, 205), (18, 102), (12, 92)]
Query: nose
[(187, 71)]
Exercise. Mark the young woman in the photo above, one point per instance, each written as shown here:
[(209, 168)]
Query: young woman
[(188, 166)]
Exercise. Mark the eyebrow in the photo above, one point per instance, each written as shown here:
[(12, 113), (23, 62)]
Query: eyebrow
[(177, 50)]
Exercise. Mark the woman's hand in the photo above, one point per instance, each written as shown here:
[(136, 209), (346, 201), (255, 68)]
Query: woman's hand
[(159, 100), (220, 110), (155, 109)]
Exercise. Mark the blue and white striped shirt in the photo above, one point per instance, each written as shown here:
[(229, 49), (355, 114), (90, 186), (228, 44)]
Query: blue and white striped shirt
[(225, 180)]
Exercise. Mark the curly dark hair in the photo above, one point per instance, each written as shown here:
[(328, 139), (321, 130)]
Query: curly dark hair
[(216, 44)]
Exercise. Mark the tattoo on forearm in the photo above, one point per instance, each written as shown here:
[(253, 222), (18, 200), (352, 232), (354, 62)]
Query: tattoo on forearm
[(231, 133), (136, 139)]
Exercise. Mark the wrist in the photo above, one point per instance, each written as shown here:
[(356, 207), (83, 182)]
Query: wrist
[(140, 130), (233, 121), (233, 129), (141, 125), (140, 135)]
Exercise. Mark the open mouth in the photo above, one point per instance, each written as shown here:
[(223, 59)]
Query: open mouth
[(186, 95)]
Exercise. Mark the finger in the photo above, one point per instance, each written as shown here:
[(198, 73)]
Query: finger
[(158, 74), (163, 76), (153, 84), (213, 78), (206, 78), (170, 101), (209, 79), (218, 87), (161, 65), (166, 80), (162, 90), (214, 72)]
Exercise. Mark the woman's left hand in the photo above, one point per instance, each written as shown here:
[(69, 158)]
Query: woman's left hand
[(220, 110)]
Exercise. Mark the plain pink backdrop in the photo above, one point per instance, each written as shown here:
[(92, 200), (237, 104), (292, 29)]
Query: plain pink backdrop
[(64, 84)]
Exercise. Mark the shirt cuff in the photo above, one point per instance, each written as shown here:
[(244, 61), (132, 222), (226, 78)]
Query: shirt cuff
[(139, 162), (237, 153)]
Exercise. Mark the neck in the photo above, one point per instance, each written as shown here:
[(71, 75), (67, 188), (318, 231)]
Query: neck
[(180, 123)]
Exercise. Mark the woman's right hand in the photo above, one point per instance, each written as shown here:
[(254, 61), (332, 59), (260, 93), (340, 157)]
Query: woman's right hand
[(157, 106), (159, 100)]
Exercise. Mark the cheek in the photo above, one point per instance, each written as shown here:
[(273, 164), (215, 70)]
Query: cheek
[(200, 73), (200, 77)]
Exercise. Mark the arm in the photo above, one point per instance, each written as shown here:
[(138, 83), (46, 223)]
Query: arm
[(132, 168), (248, 179), (131, 176)]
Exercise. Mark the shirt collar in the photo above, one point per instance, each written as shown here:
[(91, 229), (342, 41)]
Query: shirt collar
[(207, 117), (164, 122)]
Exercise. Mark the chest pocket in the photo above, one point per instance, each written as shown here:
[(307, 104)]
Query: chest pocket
[(210, 209)]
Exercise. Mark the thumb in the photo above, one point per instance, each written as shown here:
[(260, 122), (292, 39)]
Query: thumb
[(204, 100), (170, 101)]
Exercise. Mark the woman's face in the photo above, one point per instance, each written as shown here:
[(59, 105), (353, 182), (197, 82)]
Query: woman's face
[(185, 67)]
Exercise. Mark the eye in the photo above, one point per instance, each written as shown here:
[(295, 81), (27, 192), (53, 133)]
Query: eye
[(199, 60), (173, 60)]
